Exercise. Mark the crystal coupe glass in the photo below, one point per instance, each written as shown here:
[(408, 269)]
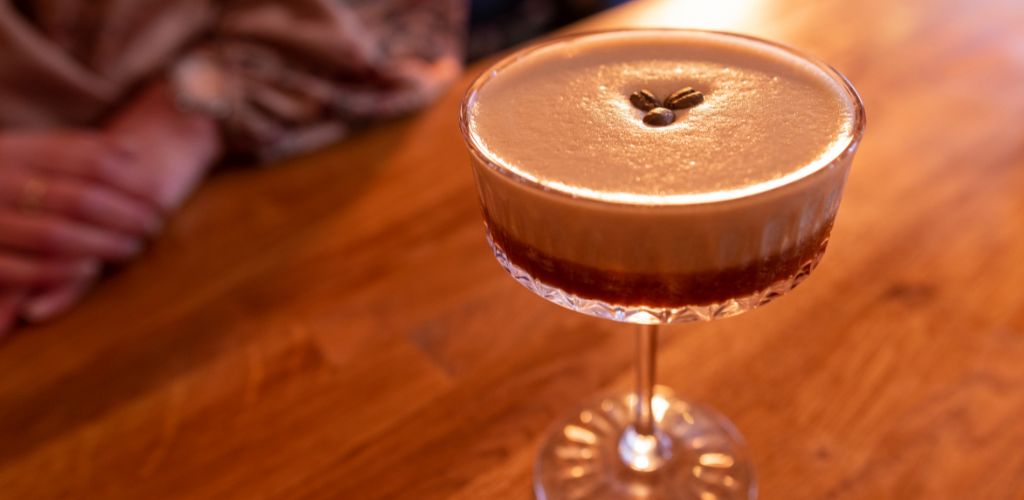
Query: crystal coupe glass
[(649, 443)]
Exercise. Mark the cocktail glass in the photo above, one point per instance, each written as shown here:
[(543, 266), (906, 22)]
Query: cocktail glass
[(649, 443)]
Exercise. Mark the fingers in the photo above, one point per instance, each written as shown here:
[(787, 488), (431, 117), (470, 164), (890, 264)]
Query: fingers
[(85, 201), (43, 306), (81, 200), (69, 200), (90, 157), (55, 301), (56, 236), (105, 207), (18, 271), (10, 304)]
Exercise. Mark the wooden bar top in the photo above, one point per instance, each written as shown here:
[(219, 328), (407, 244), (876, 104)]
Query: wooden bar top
[(336, 327)]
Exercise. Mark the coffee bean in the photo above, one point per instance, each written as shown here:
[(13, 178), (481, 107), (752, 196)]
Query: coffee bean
[(644, 100), (659, 117), (684, 98)]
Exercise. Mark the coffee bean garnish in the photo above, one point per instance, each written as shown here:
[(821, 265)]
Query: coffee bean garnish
[(659, 114), (684, 98), (659, 117), (644, 100)]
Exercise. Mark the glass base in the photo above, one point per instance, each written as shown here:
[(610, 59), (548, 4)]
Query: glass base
[(703, 457)]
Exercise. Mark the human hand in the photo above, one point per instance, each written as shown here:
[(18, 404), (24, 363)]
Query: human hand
[(71, 200), (72, 194), (68, 201)]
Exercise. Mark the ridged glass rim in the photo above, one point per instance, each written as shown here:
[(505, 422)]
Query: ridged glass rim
[(478, 151)]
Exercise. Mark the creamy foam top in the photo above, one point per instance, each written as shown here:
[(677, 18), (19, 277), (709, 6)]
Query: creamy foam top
[(560, 115)]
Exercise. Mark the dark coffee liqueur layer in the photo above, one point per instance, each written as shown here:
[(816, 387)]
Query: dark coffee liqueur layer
[(659, 289)]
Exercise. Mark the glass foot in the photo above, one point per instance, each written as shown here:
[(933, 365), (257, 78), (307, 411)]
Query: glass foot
[(702, 455)]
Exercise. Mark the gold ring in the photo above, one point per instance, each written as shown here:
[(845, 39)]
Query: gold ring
[(32, 195)]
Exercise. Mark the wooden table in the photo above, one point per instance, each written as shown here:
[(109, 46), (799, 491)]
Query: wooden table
[(335, 327)]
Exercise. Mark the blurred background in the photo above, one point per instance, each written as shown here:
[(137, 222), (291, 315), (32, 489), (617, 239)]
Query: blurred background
[(498, 24)]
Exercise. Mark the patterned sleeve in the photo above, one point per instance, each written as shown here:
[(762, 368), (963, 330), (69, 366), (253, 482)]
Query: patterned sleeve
[(287, 76)]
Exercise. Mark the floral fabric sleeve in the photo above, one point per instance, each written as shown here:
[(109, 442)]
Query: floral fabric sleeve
[(285, 77)]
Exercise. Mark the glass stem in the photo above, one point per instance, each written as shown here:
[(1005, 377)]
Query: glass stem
[(641, 446), (646, 350)]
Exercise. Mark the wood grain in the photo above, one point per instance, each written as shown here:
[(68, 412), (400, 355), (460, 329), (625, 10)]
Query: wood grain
[(335, 326)]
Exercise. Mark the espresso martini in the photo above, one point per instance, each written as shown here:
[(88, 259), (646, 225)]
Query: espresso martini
[(652, 177), (730, 192)]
